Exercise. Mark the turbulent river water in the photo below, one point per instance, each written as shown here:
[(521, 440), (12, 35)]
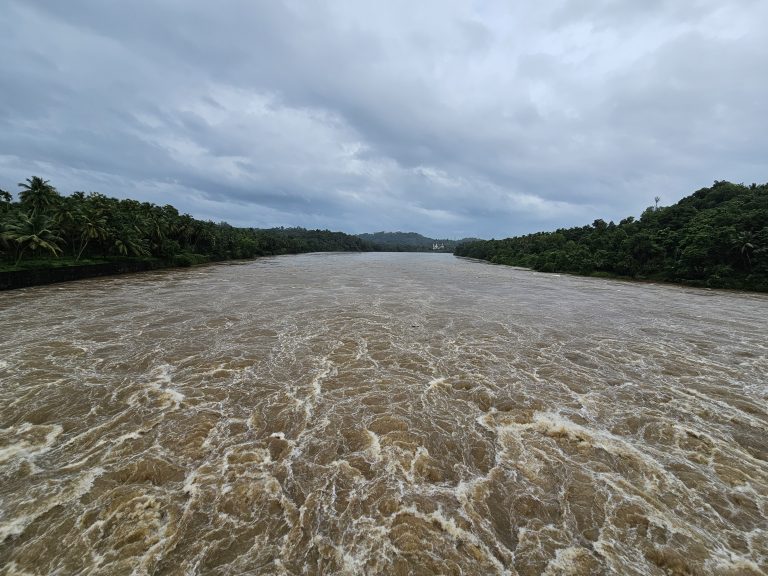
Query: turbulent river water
[(381, 414)]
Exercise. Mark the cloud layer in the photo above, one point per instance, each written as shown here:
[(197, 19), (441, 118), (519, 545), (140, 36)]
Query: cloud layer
[(450, 118)]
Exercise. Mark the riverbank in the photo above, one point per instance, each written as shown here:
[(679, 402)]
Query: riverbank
[(45, 273), (714, 238), (680, 283)]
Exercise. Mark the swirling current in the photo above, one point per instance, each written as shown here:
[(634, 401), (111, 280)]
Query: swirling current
[(381, 414)]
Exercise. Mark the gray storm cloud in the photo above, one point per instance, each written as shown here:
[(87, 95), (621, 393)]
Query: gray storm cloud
[(449, 118)]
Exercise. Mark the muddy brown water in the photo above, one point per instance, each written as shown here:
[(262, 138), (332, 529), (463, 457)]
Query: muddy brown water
[(381, 414)]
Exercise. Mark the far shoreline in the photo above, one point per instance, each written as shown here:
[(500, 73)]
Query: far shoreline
[(625, 279), (42, 276)]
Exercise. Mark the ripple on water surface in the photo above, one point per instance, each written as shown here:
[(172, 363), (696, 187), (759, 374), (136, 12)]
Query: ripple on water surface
[(381, 413)]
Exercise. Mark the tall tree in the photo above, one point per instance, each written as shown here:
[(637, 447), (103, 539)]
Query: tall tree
[(32, 232), (37, 194), (744, 242)]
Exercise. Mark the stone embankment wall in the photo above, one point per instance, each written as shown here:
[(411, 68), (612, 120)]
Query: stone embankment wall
[(24, 278)]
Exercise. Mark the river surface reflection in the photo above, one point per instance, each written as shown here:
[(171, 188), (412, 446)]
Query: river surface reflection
[(383, 414)]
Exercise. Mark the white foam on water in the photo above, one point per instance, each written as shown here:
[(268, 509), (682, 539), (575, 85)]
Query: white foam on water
[(421, 454), (435, 382), (317, 382), (174, 396), (373, 450), (127, 436), (190, 487), (565, 562), (17, 525), (26, 447), (448, 526), (162, 378), (362, 349), (14, 570), (730, 563)]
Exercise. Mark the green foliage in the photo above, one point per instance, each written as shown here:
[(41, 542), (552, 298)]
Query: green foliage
[(92, 226), (716, 237), (37, 194), (409, 242), (31, 232)]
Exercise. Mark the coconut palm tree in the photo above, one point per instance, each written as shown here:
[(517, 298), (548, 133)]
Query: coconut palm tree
[(90, 228), (128, 243), (5, 236), (744, 242), (37, 194), (32, 232)]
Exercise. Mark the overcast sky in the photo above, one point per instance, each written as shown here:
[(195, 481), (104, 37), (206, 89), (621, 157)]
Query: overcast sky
[(475, 118)]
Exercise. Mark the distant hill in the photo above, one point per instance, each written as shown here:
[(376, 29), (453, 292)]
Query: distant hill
[(716, 237), (410, 242)]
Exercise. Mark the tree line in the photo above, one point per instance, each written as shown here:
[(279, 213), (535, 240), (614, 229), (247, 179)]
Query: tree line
[(44, 227), (716, 237), (410, 242)]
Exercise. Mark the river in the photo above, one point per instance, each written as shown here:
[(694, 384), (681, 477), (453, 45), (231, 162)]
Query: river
[(381, 414)]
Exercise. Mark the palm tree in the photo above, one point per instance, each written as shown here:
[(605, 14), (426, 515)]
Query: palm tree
[(66, 216), (157, 228), (37, 194), (32, 232), (5, 236), (129, 242), (90, 228), (744, 242), (131, 246)]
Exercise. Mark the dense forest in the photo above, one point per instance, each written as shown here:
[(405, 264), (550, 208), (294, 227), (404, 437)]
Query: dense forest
[(44, 228), (716, 237)]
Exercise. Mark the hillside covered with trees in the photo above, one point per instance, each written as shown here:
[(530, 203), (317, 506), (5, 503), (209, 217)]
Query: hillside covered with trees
[(46, 229), (410, 242), (716, 237)]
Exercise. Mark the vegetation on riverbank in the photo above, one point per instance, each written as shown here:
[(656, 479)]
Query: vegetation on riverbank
[(410, 242), (44, 229), (716, 237)]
